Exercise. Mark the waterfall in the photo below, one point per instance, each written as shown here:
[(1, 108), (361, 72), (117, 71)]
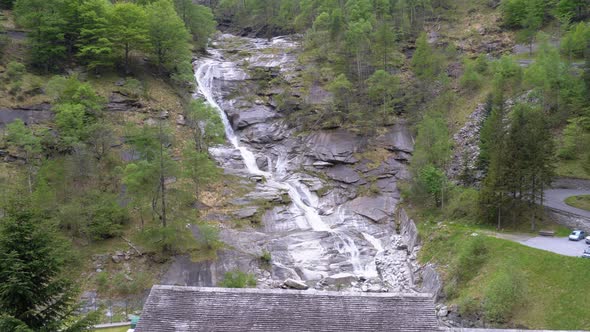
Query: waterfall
[(207, 70)]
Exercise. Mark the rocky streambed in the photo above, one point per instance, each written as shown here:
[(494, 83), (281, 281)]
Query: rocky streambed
[(324, 203)]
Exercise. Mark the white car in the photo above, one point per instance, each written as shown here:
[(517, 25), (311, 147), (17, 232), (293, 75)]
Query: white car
[(577, 235)]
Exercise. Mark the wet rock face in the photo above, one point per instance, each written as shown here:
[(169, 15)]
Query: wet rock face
[(337, 146), (308, 192)]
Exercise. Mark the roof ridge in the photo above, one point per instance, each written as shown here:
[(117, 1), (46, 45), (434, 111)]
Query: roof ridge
[(310, 292)]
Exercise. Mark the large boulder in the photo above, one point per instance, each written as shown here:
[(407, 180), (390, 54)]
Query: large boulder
[(256, 114), (295, 284), (343, 173), (337, 146), (379, 209)]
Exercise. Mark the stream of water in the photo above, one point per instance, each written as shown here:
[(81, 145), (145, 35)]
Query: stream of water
[(216, 67)]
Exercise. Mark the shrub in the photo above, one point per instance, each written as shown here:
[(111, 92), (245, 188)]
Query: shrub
[(471, 79), (266, 257), (15, 71), (504, 292), (238, 279), (463, 203)]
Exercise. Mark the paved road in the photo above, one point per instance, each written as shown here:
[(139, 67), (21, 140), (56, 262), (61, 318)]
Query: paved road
[(558, 245), (555, 198)]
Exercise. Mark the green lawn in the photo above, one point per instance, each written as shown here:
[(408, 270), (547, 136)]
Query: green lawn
[(580, 202), (554, 285)]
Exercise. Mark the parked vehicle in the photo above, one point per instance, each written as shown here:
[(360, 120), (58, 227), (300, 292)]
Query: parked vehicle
[(588, 239), (586, 253), (577, 235)]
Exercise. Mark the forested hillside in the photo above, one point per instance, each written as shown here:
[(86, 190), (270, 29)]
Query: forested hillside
[(97, 196)]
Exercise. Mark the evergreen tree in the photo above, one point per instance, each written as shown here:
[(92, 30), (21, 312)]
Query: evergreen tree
[(45, 20), (33, 286)]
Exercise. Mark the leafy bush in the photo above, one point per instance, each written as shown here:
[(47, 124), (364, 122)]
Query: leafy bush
[(463, 203), (573, 141), (471, 79), (238, 279), (266, 257), (503, 294), (15, 71)]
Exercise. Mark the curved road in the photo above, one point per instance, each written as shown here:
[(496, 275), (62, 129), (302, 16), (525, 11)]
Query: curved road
[(555, 198)]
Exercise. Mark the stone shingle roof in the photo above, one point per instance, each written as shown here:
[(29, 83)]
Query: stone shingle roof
[(180, 309)]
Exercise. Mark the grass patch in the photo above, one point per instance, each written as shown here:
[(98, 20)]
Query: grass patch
[(547, 285), (580, 202)]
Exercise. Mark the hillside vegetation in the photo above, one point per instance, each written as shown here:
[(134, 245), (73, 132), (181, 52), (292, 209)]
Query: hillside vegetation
[(110, 183)]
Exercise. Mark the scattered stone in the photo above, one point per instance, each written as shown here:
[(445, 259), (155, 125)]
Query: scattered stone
[(116, 259), (295, 284), (164, 115), (180, 120), (443, 311)]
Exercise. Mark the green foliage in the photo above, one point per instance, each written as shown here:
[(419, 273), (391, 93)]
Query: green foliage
[(173, 239), (425, 63), (471, 255), (34, 289), (433, 144), (503, 294), (94, 45), (382, 89), (524, 13), (47, 40), (463, 203), (266, 257), (205, 124), (209, 237), (575, 140), (238, 279), (433, 180), (198, 19), (168, 37), (129, 31), (199, 168), (15, 71), (471, 79), (575, 42), (94, 215)]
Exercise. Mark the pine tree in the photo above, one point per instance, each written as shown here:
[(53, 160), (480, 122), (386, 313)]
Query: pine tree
[(34, 288)]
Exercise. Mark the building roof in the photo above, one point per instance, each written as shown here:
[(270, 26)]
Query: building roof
[(179, 309)]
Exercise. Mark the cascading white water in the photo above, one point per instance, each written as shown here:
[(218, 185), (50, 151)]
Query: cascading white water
[(206, 72)]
